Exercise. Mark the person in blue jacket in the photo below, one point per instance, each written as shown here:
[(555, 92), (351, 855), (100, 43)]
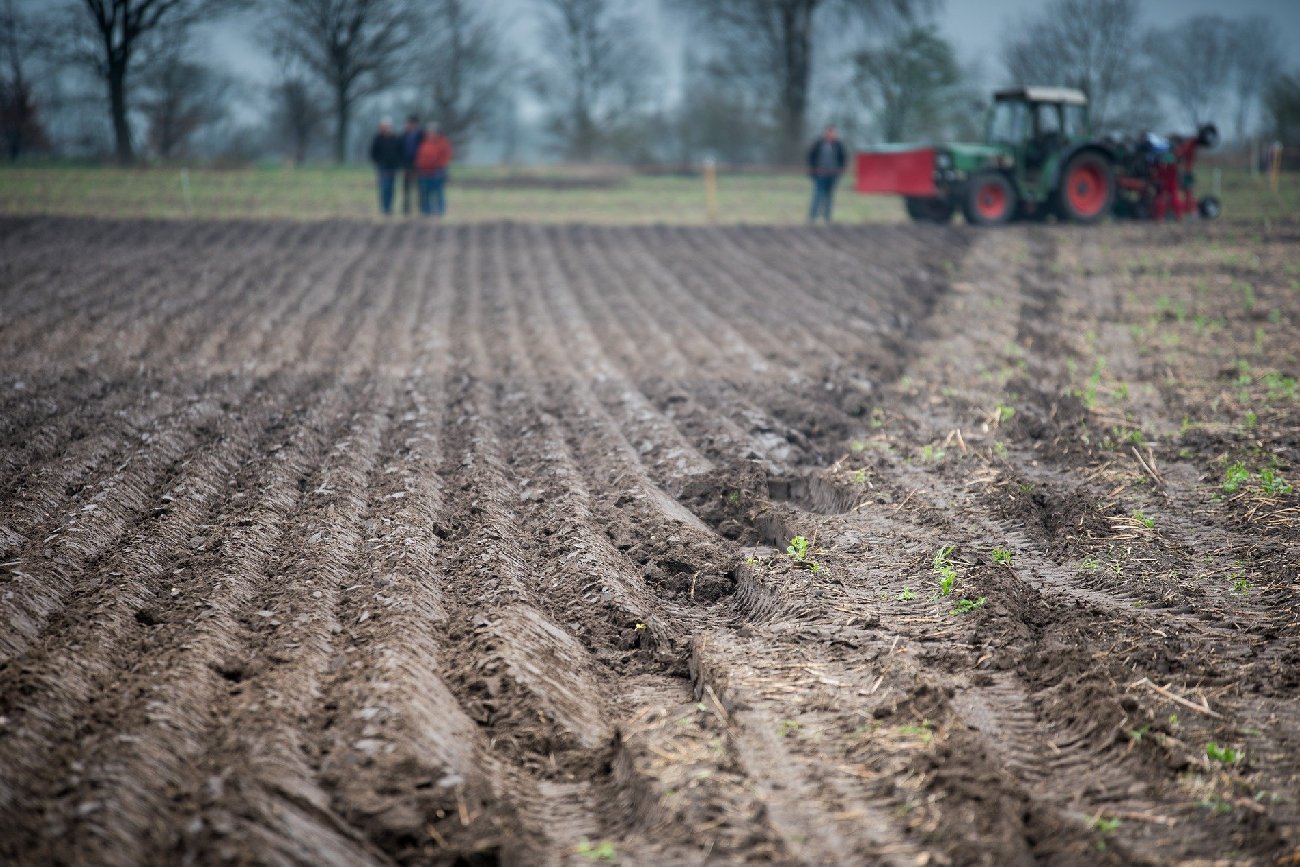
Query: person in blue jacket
[(826, 161)]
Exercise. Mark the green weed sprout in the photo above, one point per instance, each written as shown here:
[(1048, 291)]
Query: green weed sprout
[(1002, 556), (1272, 483), (1223, 755), (907, 595), (798, 551), (1144, 519), (944, 568), (1105, 826), (966, 606), (602, 851), (1236, 476)]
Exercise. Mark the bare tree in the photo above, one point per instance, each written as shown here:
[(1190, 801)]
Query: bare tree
[(354, 47), (774, 45), (111, 37), (180, 97), (597, 76), (299, 115), (20, 122), (1256, 60), (1093, 45), (911, 82), (466, 71), (1283, 104), (1193, 61)]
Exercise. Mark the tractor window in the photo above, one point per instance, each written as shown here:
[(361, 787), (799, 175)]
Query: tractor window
[(1076, 121), (1007, 123), (1048, 121)]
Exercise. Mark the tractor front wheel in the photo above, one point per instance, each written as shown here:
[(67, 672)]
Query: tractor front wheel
[(1087, 189), (990, 200), (928, 210)]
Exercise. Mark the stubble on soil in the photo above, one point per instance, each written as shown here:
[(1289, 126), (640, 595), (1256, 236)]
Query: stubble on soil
[(357, 544)]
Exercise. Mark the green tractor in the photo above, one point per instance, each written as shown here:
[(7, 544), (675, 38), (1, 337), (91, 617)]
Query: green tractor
[(1038, 158)]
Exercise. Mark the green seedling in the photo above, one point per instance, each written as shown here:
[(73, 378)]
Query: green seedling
[(1236, 476), (1241, 585), (1002, 556), (1173, 721), (946, 571), (932, 454), (1273, 484), (1279, 387), (907, 595), (798, 551), (925, 731), (857, 446), (1105, 826), (1089, 564), (602, 851), (640, 627), (1005, 413), (966, 606), (1144, 519), (1216, 805), (1223, 755), (1136, 735), (1250, 419), (859, 477), (788, 727), (1000, 449), (1120, 392)]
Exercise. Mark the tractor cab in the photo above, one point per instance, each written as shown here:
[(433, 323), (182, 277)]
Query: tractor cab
[(1034, 124)]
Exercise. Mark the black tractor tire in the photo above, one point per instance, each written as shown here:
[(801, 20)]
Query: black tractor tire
[(1087, 188), (929, 209), (1209, 207), (990, 200)]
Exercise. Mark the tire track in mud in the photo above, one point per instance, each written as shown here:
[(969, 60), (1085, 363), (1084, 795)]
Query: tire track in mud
[(462, 544)]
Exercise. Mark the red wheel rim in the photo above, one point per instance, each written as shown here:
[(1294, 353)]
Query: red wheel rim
[(991, 201), (1086, 190)]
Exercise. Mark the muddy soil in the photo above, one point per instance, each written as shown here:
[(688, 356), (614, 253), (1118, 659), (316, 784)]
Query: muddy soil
[(360, 544)]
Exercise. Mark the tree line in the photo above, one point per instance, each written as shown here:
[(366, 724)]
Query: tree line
[(755, 75)]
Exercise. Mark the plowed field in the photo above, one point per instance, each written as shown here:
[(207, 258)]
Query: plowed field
[(364, 544)]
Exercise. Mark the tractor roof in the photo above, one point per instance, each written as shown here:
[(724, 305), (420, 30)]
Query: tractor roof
[(1044, 94)]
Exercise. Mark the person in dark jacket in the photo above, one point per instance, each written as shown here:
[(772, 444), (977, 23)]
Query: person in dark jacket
[(387, 155), (826, 161), (412, 135)]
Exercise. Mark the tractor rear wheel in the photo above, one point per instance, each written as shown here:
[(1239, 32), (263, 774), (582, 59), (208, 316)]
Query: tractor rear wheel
[(929, 209), (1087, 188), (990, 200)]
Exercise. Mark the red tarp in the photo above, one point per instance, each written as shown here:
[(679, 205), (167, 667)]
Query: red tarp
[(908, 173)]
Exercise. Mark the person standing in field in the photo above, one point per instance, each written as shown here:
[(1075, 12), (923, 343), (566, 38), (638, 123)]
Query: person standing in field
[(431, 161), (386, 154), (826, 161), (412, 135)]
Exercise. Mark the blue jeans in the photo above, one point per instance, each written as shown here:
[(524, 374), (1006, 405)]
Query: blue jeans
[(432, 199), (823, 192), (387, 180)]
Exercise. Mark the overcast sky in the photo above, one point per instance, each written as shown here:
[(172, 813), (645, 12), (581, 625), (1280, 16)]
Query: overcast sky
[(974, 26)]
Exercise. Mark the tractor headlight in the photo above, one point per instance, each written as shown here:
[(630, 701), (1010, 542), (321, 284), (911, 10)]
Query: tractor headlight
[(942, 161)]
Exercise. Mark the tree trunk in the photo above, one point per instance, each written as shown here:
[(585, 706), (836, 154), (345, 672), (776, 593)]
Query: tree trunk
[(342, 118), (119, 112), (797, 26)]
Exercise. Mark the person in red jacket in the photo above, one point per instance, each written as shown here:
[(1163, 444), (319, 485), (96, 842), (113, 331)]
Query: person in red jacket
[(431, 161)]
